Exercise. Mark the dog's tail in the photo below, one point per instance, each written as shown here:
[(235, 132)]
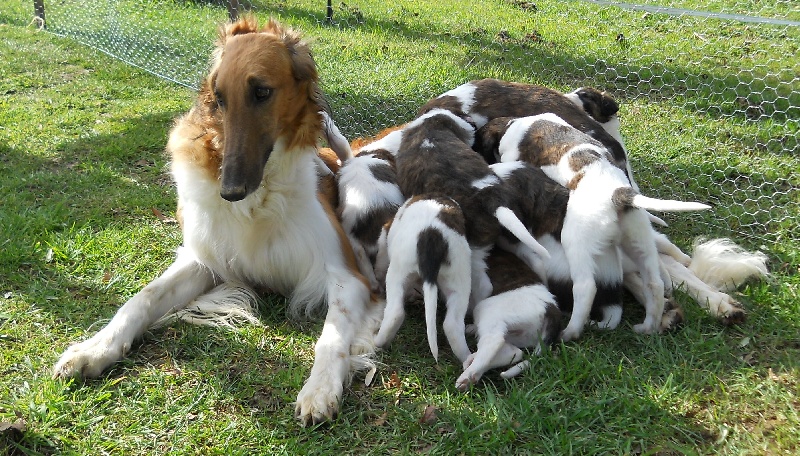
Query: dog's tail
[(724, 265), (628, 198), (336, 140), (512, 223), (431, 253), (230, 305)]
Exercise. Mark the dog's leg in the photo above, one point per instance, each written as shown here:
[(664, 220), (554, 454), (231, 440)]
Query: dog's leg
[(524, 253), (365, 265), (665, 246), (183, 281), (493, 351), (395, 312), (481, 285), (717, 303), (453, 325), (584, 288), (639, 244), (348, 299)]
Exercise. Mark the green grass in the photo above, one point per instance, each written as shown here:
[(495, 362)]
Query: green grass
[(82, 168)]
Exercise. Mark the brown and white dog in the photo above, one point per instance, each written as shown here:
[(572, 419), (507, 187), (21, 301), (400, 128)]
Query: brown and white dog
[(520, 313), (487, 99), (603, 202), (435, 156), (426, 241), (244, 159)]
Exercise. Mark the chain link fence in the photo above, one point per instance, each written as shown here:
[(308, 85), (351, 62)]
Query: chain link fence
[(709, 89)]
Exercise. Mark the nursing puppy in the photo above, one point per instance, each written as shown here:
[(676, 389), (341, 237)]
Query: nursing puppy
[(436, 156), (520, 313), (544, 205), (368, 198), (246, 165), (604, 198), (487, 99), (426, 240)]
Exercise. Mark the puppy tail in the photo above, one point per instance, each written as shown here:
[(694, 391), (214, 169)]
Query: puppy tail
[(336, 140), (627, 198), (511, 222), (724, 265), (432, 251), (430, 294)]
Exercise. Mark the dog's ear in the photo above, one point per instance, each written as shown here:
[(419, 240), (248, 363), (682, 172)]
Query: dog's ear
[(487, 139), (608, 105)]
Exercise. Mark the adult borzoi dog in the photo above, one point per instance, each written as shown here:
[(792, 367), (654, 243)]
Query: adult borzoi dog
[(245, 162)]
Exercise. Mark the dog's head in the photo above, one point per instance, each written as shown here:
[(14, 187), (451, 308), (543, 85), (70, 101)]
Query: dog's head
[(600, 105), (262, 89)]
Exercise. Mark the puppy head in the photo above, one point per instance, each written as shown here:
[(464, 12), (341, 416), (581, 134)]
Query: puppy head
[(458, 123), (262, 88), (600, 105), (487, 138)]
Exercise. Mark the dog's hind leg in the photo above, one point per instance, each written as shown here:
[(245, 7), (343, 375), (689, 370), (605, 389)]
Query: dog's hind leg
[(394, 314), (454, 328), (493, 351), (183, 281)]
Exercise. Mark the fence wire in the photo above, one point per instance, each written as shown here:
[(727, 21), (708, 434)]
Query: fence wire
[(728, 68)]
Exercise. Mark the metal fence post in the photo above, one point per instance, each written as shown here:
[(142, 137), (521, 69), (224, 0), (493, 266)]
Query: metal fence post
[(38, 12)]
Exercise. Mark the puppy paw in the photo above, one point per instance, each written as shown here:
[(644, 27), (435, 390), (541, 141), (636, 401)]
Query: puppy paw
[(569, 334), (466, 380), (733, 316), (88, 359), (468, 362), (318, 401), (646, 328)]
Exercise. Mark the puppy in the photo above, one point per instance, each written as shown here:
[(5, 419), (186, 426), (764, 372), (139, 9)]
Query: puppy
[(520, 313), (435, 156), (368, 198), (544, 205), (426, 240), (604, 201), (487, 99)]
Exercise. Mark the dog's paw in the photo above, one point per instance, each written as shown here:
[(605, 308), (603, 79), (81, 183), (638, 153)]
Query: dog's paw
[(569, 334), (466, 380), (516, 369), (647, 327), (88, 359), (468, 362), (318, 401), (733, 316)]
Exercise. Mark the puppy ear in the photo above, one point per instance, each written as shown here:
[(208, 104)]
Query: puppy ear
[(487, 139), (608, 105)]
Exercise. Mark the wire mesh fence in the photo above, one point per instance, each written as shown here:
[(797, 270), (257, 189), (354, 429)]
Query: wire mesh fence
[(709, 89)]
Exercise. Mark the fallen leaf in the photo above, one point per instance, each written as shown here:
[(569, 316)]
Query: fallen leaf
[(381, 420), (429, 415), (106, 277), (394, 381), (12, 430), (160, 215)]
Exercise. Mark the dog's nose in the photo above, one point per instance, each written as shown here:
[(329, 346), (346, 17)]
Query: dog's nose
[(234, 193)]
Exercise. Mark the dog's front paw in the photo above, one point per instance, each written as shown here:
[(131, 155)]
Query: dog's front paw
[(318, 401), (88, 359), (569, 334)]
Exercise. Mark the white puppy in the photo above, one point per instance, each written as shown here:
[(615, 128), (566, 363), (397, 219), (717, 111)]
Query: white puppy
[(427, 240), (521, 313)]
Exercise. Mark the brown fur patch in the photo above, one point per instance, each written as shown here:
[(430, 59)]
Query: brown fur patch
[(344, 243)]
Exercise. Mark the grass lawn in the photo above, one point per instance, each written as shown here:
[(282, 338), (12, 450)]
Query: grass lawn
[(86, 220)]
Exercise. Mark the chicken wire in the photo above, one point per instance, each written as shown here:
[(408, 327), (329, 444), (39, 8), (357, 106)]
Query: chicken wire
[(744, 86)]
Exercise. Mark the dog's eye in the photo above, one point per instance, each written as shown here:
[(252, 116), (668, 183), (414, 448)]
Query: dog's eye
[(220, 101), (262, 93)]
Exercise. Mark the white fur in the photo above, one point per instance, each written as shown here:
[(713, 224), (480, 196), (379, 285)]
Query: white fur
[(724, 265), (336, 140), (390, 142), (360, 193), (463, 124), (505, 323), (465, 94), (454, 279), (279, 237)]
